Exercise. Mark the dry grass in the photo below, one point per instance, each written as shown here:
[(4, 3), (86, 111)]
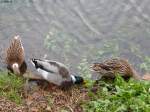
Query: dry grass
[(8, 106), (50, 99), (53, 99), (38, 97)]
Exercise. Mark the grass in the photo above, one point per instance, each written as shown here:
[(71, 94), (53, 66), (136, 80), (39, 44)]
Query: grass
[(114, 96), (11, 86), (120, 96)]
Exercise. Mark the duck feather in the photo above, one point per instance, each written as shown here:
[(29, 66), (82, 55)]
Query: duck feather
[(15, 56), (52, 67)]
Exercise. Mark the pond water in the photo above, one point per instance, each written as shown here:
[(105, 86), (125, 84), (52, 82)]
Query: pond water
[(79, 32)]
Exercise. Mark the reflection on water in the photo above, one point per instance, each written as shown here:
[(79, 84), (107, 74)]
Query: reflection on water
[(71, 30)]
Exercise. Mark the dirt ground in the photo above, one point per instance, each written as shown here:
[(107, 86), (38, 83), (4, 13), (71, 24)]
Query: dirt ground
[(48, 99)]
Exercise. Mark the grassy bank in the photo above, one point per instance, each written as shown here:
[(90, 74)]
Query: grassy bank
[(102, 96), (120, 96)]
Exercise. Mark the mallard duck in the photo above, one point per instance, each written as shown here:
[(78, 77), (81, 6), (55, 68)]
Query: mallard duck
[(15, 57), (55, 72), (110, 67)]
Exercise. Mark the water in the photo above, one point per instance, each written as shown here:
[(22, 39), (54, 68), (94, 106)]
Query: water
[(70, 30)]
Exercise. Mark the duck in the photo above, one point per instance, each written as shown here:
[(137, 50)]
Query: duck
[(110, 67), (15, 57), (56, 73)]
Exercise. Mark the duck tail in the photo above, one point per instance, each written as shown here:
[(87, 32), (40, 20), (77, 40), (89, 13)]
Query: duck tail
[(33, 61)]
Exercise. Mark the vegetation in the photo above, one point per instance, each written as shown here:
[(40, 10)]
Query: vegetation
[(11, 86), (120, 96), (116, 96)]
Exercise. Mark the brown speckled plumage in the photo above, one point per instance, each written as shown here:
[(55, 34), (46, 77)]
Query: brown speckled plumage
[(110, 67), (15, 54)]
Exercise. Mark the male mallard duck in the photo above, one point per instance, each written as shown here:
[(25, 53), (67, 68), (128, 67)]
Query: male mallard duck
[(15, 57), (110, 67), (55, 72)]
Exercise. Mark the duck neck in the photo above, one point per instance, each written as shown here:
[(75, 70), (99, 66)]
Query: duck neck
[(73, 79), (76, 79), (15, 68)]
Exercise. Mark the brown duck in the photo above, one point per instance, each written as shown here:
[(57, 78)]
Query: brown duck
[(15, 57), (110, 67)]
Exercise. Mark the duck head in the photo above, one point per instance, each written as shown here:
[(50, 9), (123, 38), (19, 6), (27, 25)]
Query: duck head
[(77, 79)]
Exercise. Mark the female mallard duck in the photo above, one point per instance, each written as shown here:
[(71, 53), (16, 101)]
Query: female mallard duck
[(110, 67), (15, 57), (55, 72)]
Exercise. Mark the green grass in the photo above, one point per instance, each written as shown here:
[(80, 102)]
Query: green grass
[(120, 96), (11, 86)]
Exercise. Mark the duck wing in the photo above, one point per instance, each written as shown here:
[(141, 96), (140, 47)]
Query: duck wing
[(117, 65), (54, 67), (111, 64), (62, 69), (105, 66)]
